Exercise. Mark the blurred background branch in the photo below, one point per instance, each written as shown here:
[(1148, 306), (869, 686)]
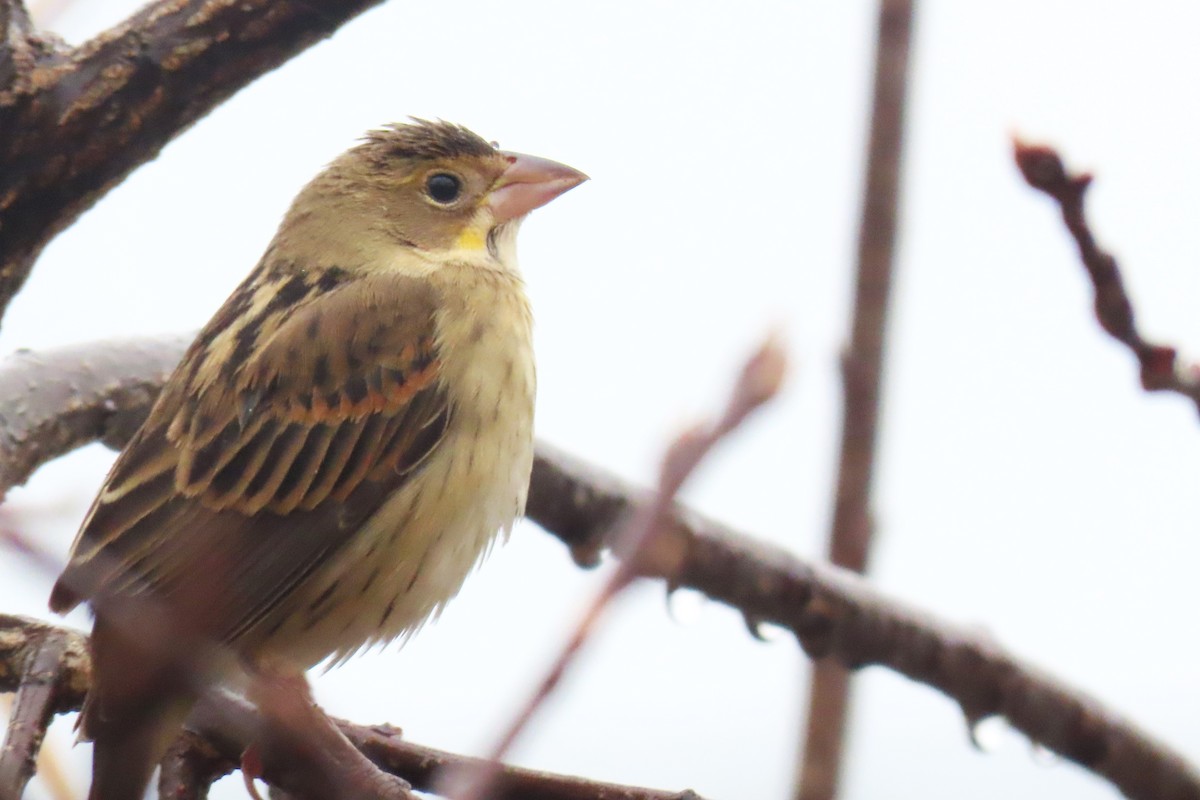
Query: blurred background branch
[(1043, 169), (823, 743)]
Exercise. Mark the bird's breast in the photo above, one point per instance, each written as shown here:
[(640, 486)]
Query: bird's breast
[(413, 555)]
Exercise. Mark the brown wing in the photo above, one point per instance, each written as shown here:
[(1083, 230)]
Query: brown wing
[(245, 477)]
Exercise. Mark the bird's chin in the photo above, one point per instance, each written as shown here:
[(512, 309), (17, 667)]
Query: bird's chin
[(502, 242)]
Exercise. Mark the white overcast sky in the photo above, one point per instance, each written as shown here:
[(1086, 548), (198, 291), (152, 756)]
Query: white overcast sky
[(1027, 487)]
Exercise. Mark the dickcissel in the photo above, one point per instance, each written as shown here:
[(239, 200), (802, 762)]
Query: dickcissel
[(336, 450)]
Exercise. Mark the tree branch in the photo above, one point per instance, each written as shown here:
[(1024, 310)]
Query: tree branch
[(15, 26), (53, 402), (862, 377), (20, 46), (32, 712), (77, 121), (49, 669), (227, 720), (20, 638), (191, 766), (832, 612), (1042, 167), (224, 725)]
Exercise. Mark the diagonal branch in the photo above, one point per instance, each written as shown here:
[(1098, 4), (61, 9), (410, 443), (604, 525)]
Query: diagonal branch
[(77, 121), (832, 612), (1043, 168)]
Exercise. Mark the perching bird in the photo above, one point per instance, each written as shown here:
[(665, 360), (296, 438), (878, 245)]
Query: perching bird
[(337, 449)]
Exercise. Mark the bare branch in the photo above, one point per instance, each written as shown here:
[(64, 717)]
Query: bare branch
[(224, 725), (54, 402), (19, 48), (1043, 169), (15, 26), (48, 667), (77, 121), (862, 376), (20, 638), (833, 613), (32, 713), (190, 768), (228, 721)]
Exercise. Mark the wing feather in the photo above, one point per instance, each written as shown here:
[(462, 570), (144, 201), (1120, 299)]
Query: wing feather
[(304, 469), (246, 477)]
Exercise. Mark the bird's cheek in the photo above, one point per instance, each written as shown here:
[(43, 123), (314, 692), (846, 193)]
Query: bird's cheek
[(471, 239), (474, 234)]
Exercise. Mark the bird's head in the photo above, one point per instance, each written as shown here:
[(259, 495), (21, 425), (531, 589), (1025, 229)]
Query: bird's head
[(433, 186)]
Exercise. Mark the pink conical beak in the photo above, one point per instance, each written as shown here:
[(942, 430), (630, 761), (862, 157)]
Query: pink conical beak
[(528, 183)]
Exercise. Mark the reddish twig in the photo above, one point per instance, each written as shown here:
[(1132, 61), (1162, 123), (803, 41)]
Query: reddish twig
[(14, 539), (638, 543), (1043, 169), (820, 761)]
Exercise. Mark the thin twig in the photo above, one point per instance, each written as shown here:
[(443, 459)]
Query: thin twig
[(1043, 169), (820, 760), (833, 613)]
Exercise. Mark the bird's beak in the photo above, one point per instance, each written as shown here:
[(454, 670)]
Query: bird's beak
[(530, 182)]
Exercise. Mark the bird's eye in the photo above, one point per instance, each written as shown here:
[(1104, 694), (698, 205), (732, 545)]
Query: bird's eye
[(443, 187)]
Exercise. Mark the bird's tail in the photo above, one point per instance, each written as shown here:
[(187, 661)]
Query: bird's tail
[(122, 764), (134, 711)]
